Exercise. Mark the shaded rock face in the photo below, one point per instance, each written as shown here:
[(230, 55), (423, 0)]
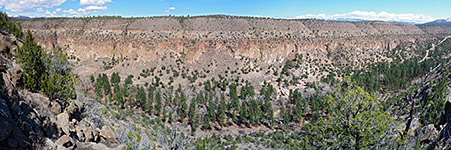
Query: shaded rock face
[(265, 39), (438, 134), (21, 125), (32, 121), (11, 136)]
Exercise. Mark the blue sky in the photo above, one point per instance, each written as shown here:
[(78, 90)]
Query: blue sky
[(395, 10)]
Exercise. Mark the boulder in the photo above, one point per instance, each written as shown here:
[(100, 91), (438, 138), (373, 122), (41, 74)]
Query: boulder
[(66, 142), (81, 136), (12, 142), (10, 133), (92, 145), (120, 147), (55, 107), (63, 122), (51, 128), (73, 108), (49, 144), (91, 134), (428, 134), (5, 121), (108, 135), (448, 110)]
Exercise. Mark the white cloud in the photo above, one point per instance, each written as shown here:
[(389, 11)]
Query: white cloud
[(96, 8), (21, 5), (40, 9), (88, 3), (382, 16), (90, 6), (58, 9), (168, 10), (79, 12)]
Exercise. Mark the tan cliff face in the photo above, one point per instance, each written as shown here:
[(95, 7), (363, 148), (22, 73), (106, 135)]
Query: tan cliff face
[(266, 39)]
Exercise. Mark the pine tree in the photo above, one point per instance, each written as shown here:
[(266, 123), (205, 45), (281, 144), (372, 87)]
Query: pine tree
[(158, 103), (234, 96), (184, 104), (9, 26), (32, 56), (192, 116), (221, 110), (244, 114), (115, 78), (128, 80), (58, 81), (141, 96), (98, 86), (211, 111), (106, 84)]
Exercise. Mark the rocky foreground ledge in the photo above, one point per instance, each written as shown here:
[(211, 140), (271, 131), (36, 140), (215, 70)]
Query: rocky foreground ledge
[(30, 120)]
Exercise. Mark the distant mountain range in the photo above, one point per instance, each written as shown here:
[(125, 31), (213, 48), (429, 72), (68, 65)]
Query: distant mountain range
[(19, 16), (439, 22), (354, 19)]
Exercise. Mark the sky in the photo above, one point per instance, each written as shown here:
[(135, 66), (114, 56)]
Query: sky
[(416, 11)]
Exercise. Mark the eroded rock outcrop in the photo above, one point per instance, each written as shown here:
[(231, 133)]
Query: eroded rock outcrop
[(31, 120), (266, 39)]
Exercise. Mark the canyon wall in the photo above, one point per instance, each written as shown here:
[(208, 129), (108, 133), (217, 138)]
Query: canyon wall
[(265, 39)]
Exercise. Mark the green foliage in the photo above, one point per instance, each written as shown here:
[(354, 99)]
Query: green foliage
[(106, 85), (433, 107), (247, 91), (355, 121), (115, 78), (391, 76), (234, 96), (192, 116), (58, 82), (211, 116), (49, 73), (207, 85), (7, 25), (128, 80), (254, 112), (221, 111), (158, 103), (32, 59), (141, 96), (299, 102), (93, 79)]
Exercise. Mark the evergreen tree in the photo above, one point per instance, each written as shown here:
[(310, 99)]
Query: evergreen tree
[(93, 80), (141, 96), (244, 114), (254, 112), (58, 82), (221, 110), (32, 56), (9, 26), (184, 105), (234, 96), (106, 84), (98, 86), (158, 103), (128, 80), (192, 116), (115, 78), (355, 121), (211, 111)]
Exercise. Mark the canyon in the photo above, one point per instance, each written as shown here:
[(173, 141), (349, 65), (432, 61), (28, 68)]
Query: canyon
[(269, 40)]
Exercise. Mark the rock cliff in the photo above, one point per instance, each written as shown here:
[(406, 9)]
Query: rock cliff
[(258, 38)]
